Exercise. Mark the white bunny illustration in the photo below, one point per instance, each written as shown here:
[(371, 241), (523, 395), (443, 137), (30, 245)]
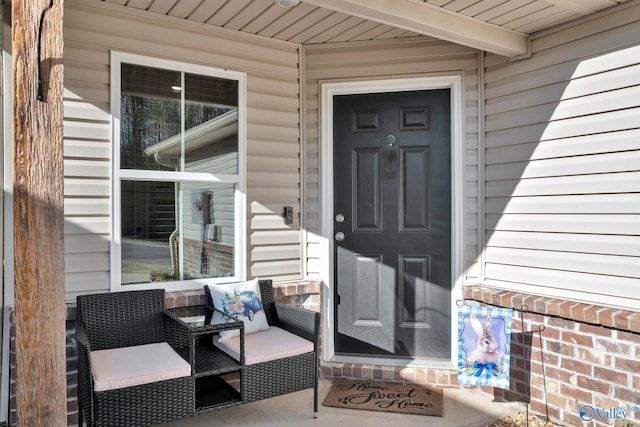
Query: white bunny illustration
[(487, 349)]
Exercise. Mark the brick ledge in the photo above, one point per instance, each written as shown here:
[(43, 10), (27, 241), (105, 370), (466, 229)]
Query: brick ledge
[(281, 291), (623, 320)]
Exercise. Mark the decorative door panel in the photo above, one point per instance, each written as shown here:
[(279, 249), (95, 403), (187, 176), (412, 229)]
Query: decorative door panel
[(392, 202)]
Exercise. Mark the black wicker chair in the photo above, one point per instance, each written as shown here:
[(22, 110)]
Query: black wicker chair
[(123, 319), (290, 374)]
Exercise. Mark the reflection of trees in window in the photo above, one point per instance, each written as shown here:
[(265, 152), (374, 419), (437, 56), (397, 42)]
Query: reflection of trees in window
[(197, 114), (147, 121)]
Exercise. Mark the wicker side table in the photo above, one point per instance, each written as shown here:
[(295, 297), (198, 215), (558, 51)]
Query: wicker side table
[(209, 365)]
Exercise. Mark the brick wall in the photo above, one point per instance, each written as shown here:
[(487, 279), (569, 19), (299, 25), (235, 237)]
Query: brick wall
[(572, 356), (299, 293)]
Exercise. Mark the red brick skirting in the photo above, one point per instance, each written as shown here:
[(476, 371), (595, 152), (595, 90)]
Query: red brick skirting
[(414, 375), (300, 293), (623, 320), (580, 356)]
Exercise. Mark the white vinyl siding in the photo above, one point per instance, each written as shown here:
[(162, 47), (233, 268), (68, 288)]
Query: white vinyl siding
[(563, 164), (273, 155), (391, 59)]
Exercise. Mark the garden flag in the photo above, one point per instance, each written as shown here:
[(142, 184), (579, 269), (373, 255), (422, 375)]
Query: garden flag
[(484, 342)]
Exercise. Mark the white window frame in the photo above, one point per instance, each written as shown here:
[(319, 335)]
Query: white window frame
[(239, 250)]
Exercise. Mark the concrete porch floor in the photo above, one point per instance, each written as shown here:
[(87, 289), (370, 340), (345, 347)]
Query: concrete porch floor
[(468, 407)]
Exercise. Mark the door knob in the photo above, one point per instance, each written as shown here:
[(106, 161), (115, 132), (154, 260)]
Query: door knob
[(339, 236)]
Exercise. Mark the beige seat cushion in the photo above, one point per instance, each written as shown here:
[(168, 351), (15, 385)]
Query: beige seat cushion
[(264, 346), (143, 364)]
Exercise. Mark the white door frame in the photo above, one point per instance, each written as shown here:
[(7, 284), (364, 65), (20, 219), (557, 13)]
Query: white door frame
[(327, 91)]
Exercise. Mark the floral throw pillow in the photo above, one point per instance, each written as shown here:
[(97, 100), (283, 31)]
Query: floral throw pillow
[(243, 301)]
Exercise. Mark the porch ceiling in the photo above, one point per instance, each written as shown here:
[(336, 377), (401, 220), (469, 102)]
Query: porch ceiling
[(498, 26)]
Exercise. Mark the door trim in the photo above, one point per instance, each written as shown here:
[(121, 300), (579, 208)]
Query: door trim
[(329, 89)]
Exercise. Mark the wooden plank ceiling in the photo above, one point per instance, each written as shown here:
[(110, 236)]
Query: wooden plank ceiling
[(500, 26)]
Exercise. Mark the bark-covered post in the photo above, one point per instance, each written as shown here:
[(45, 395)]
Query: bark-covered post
[(37, 45)]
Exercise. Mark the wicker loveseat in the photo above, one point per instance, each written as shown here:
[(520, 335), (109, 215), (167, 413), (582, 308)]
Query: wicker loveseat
[(263, 380), (134, 324), (124, 321)]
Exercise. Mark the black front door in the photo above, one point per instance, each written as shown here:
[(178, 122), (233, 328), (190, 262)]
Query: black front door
[(392, 223)]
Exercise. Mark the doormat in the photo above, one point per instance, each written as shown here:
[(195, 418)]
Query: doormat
[(386, 397)]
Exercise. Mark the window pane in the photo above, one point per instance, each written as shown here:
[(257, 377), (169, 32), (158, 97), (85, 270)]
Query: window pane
[(149, 115), (211, 124), (176, 231), (209, 230), (151, 131), (148, 222)]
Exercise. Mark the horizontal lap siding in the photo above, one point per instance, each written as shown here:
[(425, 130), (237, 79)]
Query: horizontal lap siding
[(563, 165), (273, 181), (385, 60)]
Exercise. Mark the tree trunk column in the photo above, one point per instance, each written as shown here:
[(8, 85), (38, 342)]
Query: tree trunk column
[(37, 45)]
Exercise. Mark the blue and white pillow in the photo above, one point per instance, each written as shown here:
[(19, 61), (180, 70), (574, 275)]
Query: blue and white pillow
[(243, 301)]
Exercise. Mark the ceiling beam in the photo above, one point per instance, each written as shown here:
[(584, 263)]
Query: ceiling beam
[(423, 18)]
